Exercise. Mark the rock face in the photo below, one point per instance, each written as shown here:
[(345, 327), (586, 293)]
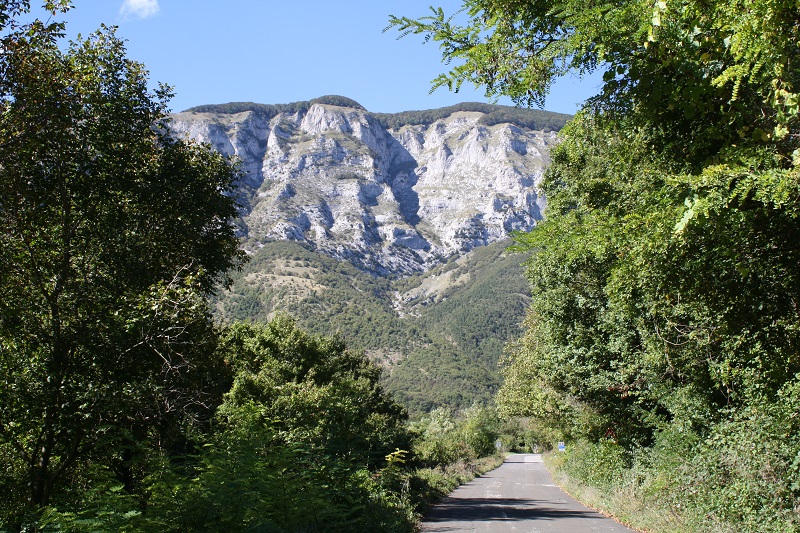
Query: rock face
[(389, 200)]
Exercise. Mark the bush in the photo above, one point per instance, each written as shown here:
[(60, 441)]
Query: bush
[(741, 474), (441, 439), (745, 474), (603, 464)]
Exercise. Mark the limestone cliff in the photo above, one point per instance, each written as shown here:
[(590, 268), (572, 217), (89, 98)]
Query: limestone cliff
[(391, 200)]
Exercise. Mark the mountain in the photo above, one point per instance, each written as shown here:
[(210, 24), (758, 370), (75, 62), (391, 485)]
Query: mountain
[(391, 194), (388, 229)]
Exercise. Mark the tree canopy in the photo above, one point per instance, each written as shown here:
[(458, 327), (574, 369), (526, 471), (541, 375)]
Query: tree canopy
[(111, 235), (665, 276), (300, 442)]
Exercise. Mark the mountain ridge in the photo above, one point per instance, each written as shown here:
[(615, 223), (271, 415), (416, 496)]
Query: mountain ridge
[(394, 194), (530, 118)]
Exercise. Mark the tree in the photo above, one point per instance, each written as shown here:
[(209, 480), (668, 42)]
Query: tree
[(300, 442), (664, 278), (314, 389), (111, 235), (674, 60)]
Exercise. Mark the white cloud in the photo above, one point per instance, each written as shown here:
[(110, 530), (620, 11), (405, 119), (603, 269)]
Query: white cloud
[(139, 8)]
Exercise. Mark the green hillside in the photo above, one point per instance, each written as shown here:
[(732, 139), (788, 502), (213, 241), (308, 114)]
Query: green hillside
[(438, 335)]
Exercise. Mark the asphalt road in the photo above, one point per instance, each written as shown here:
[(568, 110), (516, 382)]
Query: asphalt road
[(519, 496)]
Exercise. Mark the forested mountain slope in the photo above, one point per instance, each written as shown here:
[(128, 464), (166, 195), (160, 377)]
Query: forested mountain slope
[(438, 334)]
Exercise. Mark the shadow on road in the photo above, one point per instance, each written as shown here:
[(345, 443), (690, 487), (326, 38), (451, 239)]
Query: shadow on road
[(485, 509)]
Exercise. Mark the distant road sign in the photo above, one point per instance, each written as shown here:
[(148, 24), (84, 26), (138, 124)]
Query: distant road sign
[(561, 446)]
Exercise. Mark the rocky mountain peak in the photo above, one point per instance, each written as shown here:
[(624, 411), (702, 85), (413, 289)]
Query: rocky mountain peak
[(393, 194)]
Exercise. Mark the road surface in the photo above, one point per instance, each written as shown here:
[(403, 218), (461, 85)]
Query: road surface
[(519, 496)]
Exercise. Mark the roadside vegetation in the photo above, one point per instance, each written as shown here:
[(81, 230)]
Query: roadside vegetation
[(301, 437), (662, 341)]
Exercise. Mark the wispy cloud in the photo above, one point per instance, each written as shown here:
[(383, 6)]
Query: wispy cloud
[(139, 8)]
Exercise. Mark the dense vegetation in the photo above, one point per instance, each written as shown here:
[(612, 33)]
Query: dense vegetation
[(301, 438), (442, 351), (300, 443), (106, 255), (663, 336), (469, 324)]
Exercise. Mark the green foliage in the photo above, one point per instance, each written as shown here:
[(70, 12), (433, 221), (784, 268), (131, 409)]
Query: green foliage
[(517, 48), (251, 478), (344, 300), (443, 439), (468, 324), (599, 464), (311, 390), (636, 323), (304, 440), (302, 431), (454, 335), (741, 476), (665, 275), (111, 235), (481, 429), (482, 312), (438, 443), (102, 504), (450, 450)]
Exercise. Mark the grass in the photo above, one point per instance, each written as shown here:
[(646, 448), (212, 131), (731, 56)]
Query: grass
[(623, 503)]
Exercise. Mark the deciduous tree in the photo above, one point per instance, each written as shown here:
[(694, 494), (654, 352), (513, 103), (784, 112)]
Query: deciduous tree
[(111, 235), (665, 276)]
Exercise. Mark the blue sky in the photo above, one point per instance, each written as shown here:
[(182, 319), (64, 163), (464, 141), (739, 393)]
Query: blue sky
[(283, 51)]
